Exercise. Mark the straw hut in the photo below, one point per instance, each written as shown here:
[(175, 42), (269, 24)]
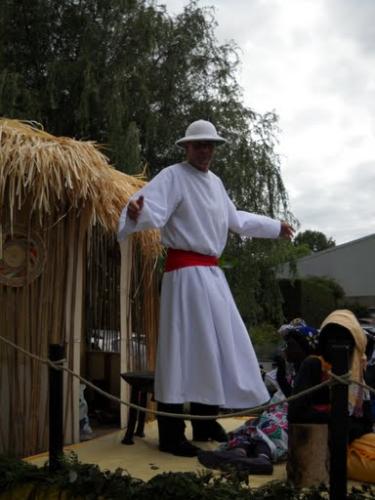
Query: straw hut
[(59, 200)]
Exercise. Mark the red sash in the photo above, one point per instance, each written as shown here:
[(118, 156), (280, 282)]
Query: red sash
[(176, 259)]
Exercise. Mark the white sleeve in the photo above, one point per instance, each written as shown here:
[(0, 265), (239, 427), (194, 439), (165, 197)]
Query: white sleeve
[(252, 225), (161, 196)]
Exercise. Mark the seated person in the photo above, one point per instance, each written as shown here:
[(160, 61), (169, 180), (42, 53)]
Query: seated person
[(339, 326), (300, 340), (260, 441)]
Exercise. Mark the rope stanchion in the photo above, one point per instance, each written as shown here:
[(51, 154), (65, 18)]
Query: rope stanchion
[(59, 365), (343, 380)]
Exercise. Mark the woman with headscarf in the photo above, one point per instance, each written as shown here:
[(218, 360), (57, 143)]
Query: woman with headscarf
[(259, 442), (300, 340), (339, 326)]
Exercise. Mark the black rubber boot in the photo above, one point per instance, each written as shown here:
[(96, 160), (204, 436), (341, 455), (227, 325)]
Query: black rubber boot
[(204, 430), (172, 433)]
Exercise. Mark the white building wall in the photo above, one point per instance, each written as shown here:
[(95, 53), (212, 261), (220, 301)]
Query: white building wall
[(352, 265)]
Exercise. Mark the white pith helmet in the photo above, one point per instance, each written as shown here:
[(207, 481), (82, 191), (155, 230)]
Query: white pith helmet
[(201, 130)]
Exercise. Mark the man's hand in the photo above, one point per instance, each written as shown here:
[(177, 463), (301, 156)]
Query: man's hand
[(135, 208), (286, 231)]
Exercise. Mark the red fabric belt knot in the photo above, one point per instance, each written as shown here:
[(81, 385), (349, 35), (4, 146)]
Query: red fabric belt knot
[(176, 259)]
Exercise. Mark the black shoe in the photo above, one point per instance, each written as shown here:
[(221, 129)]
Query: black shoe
[(213, 430), (217, 433), (217, 459), (256, 465), (182, 449), (233, 460)]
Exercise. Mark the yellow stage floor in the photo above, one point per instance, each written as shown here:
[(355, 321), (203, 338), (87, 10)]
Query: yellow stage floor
[(143, 460)]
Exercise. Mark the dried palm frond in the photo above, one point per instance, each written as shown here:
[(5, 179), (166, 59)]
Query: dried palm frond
[(58, 174)]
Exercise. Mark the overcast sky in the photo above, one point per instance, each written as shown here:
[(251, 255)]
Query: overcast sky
[(313, 62)]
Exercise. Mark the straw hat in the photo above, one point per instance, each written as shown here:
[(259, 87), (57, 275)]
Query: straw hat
[(201, 130)]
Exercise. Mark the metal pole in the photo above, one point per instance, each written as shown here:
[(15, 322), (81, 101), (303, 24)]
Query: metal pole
[(56, 353), (339, 425)]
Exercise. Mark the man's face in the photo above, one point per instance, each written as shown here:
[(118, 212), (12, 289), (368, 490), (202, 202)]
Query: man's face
[(199, 154)]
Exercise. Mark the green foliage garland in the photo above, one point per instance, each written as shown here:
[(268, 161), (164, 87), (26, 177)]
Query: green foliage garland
[(83, 481)]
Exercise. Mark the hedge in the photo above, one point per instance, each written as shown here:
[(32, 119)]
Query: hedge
[(78, 481)]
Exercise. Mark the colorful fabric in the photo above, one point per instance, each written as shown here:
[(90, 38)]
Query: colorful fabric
[(298, 326), (271, 427), (361, 459)]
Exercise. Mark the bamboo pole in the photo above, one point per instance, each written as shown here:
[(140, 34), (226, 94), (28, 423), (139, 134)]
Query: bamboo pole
[(15, 389), (9, 364), (77, 331), (43, 298), (3, 367), (69, 301), (24, 315), (126, 248), (34, 331)]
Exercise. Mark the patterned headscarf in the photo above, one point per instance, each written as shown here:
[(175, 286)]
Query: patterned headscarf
[(299, 327)]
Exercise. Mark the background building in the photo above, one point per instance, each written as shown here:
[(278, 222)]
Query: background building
[(351, 265)]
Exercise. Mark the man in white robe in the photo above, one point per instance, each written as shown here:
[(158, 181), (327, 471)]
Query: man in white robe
[(205, 355)]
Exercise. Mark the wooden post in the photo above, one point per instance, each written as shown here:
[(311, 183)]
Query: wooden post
[(56, 433), (339, 425), (308, 455)]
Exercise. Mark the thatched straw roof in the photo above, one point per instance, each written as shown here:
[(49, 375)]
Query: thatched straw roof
[(58, 173)]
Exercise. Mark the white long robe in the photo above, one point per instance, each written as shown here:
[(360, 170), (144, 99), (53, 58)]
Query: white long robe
[(204, 352)]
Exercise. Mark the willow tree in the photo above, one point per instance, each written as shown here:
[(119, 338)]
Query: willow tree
[(128, 75)]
